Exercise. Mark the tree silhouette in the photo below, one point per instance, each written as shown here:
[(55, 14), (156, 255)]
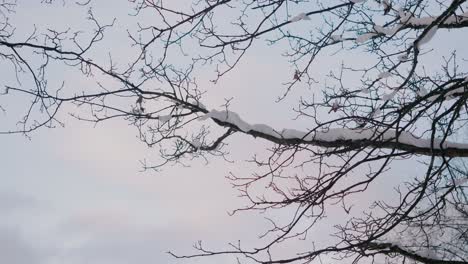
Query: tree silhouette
[(392, 106)]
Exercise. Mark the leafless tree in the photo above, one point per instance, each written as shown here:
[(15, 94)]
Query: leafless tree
[(366, 119)]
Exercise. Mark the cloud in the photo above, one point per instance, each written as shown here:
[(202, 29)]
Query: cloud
[(14, 201), (15, 250), (112, 236)]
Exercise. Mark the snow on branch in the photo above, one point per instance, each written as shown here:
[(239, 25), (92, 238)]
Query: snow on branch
[(423, 257), (342, 137), (426, 21), (453, 21)]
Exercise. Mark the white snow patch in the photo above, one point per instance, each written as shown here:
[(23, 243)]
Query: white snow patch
[(332, 134), (299, 17), (402, 57), (451, 93), (404, 16), (426, 21), (336, 38), (229, 117), (357, 1), (137, 111), (429, 35), (448, 95), (422, 92), (386, 31), (387, 97), (196, 143), (457, 18), (164, 118), (421, 21), (196, 102), (428, 253), (385, 4), (459, 182), (376, 112), (365, 90), (384, 75), (365, 37)]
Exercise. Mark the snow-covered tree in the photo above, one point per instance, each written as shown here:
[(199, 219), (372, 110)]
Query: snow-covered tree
[(397, 95)]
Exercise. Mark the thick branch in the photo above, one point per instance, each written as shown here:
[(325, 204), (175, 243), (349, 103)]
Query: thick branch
[(343, 137), (391, 248)]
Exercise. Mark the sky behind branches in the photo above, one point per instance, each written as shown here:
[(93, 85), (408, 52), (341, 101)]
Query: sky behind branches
[(78, 194)]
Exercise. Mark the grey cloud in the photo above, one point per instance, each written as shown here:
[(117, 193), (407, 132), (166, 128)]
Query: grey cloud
[(12, 201), (15, 250), (128, 246)]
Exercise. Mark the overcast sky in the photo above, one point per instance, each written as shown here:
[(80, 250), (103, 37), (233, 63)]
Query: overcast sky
[(78, 194)]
